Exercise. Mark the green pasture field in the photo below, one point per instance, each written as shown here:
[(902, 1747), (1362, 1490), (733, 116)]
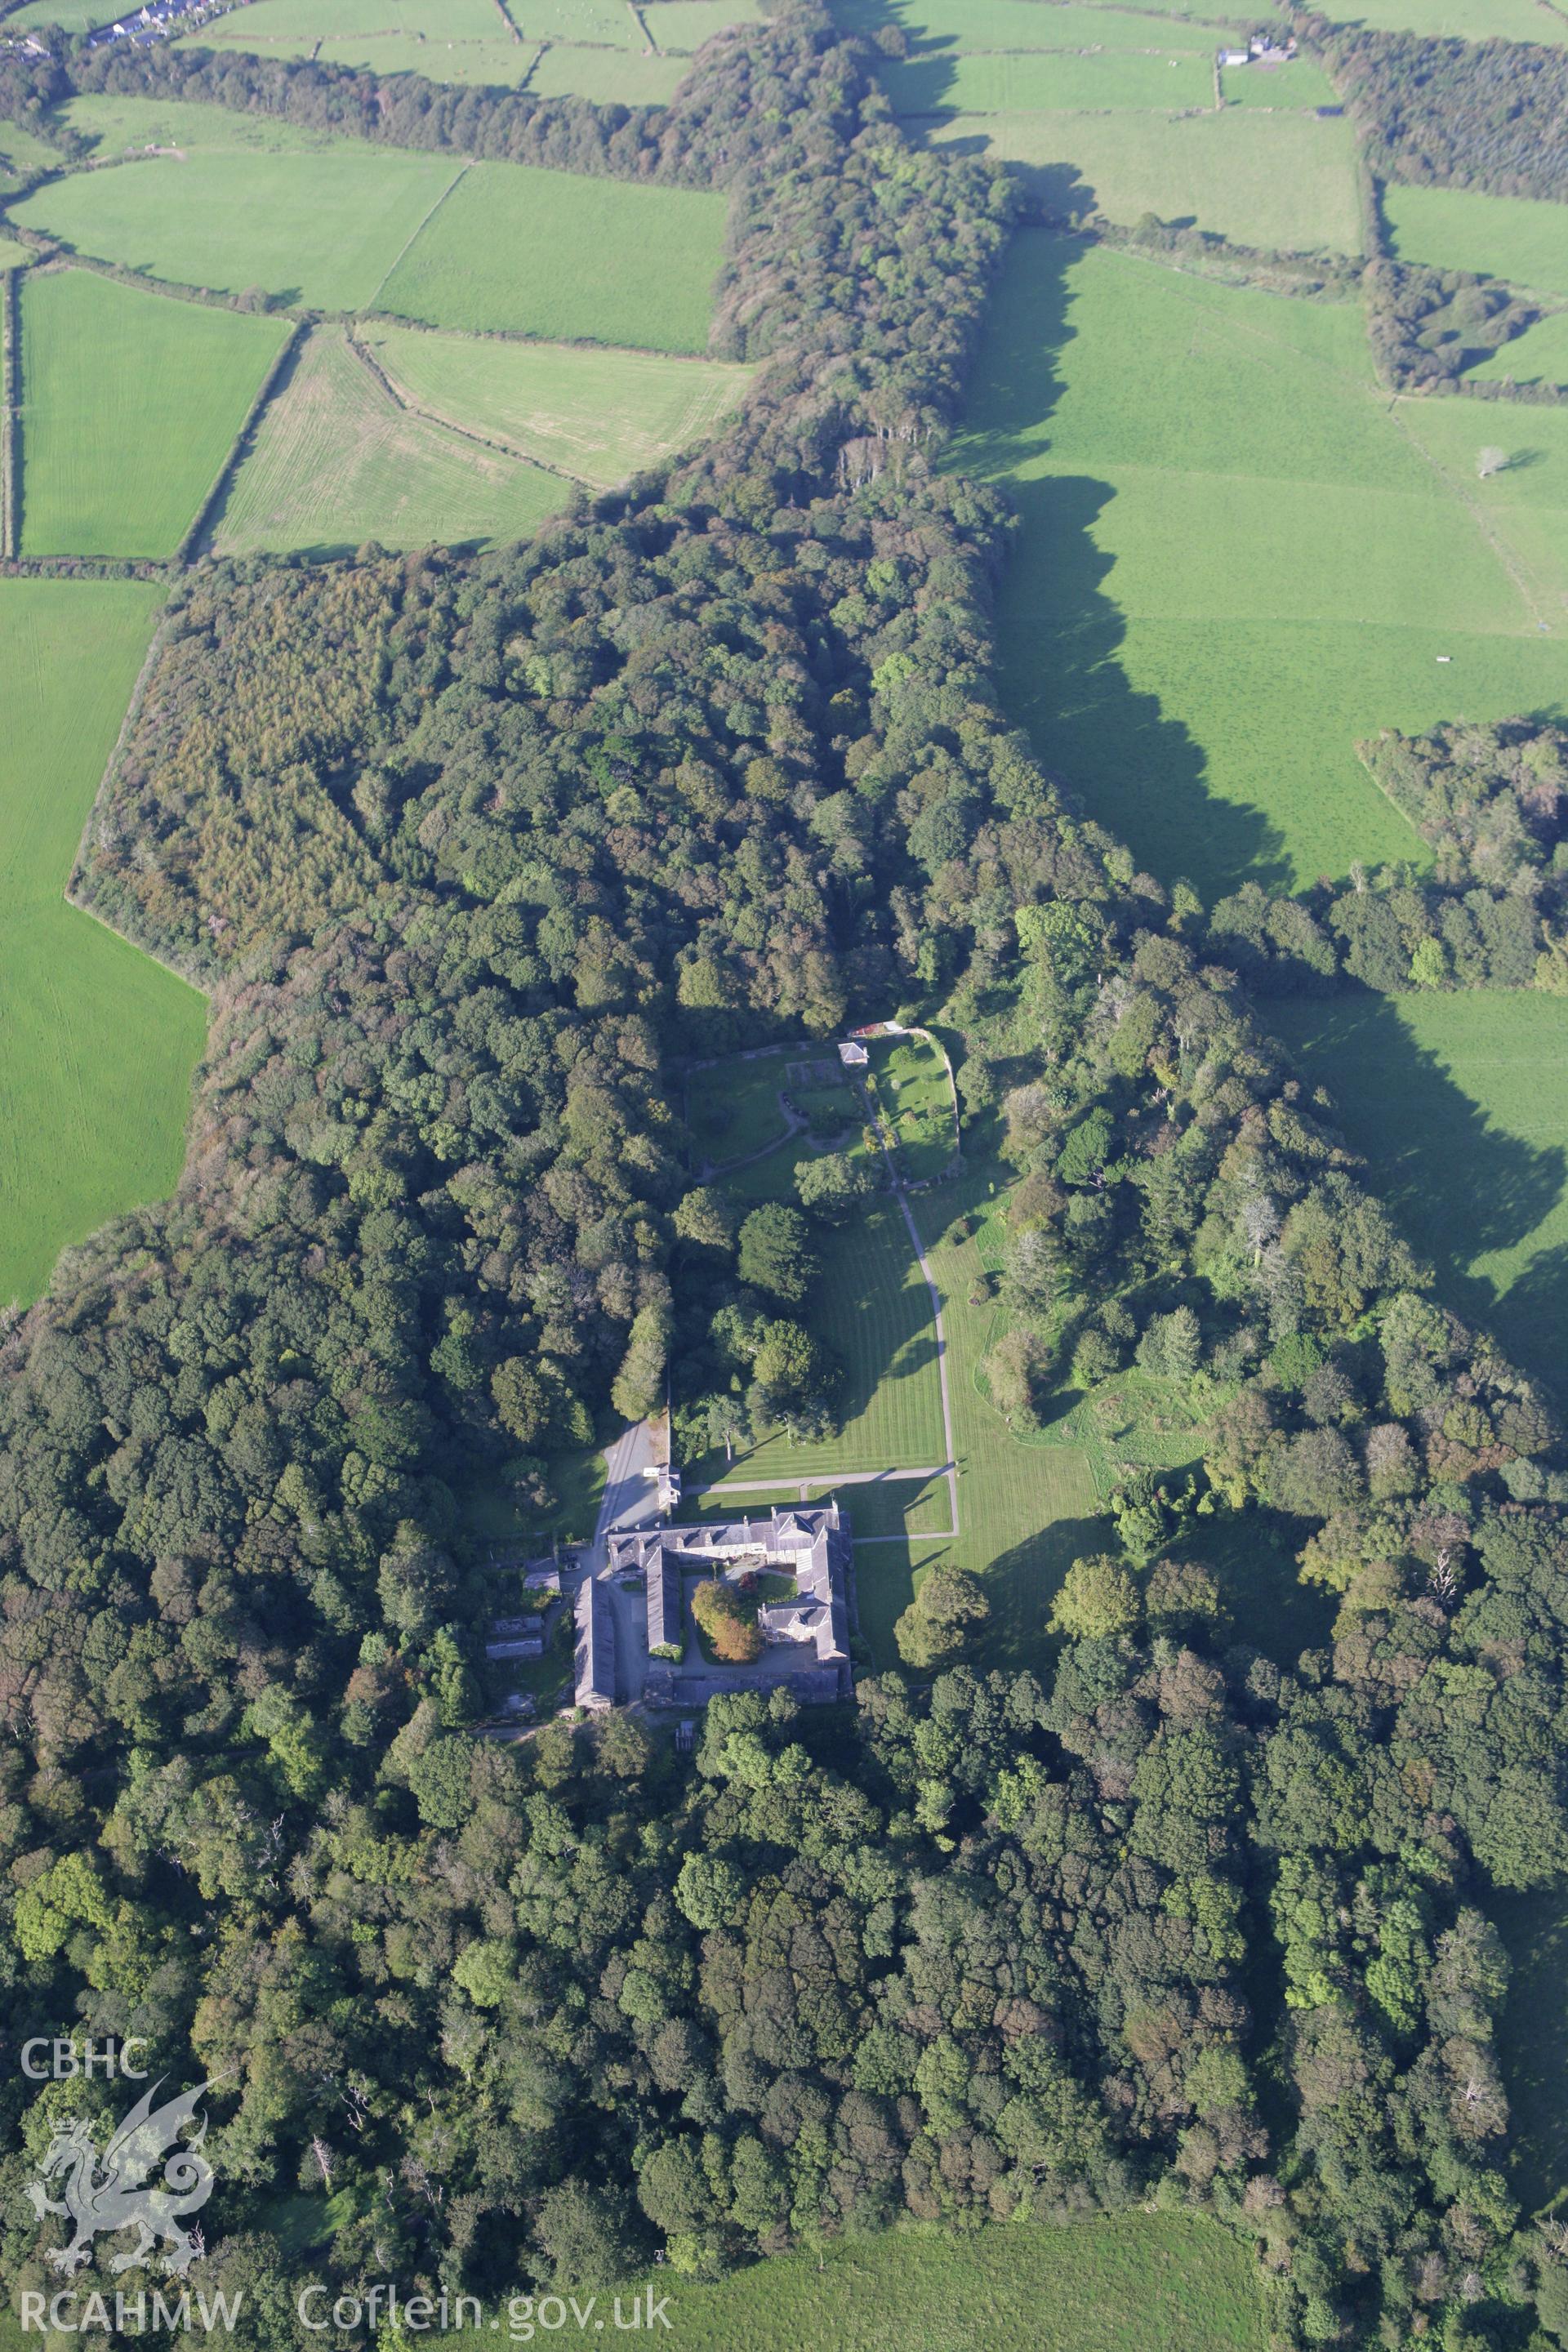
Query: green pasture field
[(1234, 564), (680, 27), (607, 77), (97, 1041), (336, 462), (114, 126), (870, 1306), (1523, 505), (276, 27), (994, 83), (1463, 20), (1299, 83), (1460, 1104), (22, 152), (1140, 2282), (497, 63), (70, 16), (1003, 25), (606, 23), (1284, 181), (321, 227), (1538, 356), (1517, 239), (565, 257), (601, 416), (14, 256), (130, 402)]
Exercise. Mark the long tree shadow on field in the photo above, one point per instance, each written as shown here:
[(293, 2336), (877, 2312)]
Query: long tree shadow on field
[(1457, 1184), (1020, 1585), (1532, 2042), (1059, 636)]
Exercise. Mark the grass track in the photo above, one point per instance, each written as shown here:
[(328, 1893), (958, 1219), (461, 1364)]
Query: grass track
[(337, 462), (1199, 624), (555, 255), (320, 227), (1460, 1104), (97, 1042), (1284, 181), (600, 415), (130, 403)]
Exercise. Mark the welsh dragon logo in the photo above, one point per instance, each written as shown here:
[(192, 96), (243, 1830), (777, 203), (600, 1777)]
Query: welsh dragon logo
[(104, 2190)]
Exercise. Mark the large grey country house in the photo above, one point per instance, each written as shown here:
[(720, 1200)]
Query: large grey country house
[(805, 1635)]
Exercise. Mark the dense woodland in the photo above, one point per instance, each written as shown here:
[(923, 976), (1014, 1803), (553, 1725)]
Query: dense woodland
[(1490, 910), (472, 853), (1488, 115)]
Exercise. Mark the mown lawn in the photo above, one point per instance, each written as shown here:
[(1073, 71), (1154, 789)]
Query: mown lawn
[(97, 1042), (320, 227), (1516, 238), (598, 414), (1283, 181), (914, 1096), (871, 1307), (1460, 1104), (130, 403), (1236, 562), (1027, 1507), (336, 461), (558, 255), (733, 1106), (1140, 2282)]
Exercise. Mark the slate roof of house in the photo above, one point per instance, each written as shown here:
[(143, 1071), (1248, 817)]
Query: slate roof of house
[(595, 1622), (809, 1632)]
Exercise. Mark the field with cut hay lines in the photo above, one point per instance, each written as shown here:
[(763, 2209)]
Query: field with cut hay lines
[(336, 462), (600, 415)]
